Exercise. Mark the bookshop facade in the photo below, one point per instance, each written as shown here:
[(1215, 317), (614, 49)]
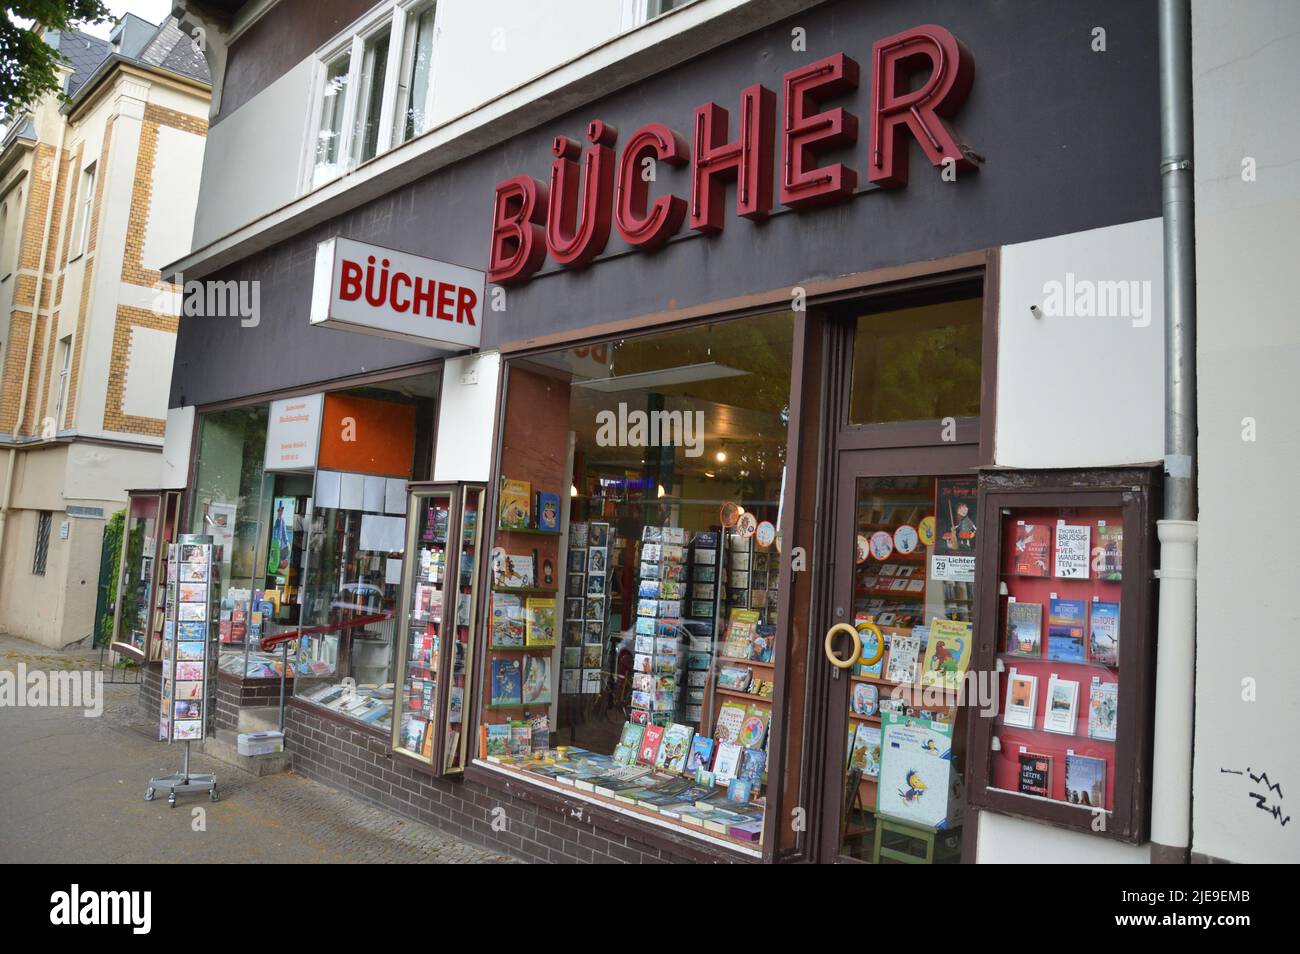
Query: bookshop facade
[(760, 526)]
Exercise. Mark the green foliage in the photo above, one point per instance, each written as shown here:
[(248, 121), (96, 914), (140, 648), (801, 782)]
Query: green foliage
[(28, 64), (112, 551)]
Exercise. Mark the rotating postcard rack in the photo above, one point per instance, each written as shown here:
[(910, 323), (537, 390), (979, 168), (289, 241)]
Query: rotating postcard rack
[(186, 648)]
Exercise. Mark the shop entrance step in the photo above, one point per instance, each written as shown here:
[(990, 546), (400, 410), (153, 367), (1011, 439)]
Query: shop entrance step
[(225, 747)]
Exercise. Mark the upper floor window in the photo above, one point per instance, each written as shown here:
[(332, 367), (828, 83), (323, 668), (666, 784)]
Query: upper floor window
[(375, 90), (81, 220)]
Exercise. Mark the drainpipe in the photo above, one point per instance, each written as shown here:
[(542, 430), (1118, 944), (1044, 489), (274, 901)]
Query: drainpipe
[(31, 340), (1171, 801)]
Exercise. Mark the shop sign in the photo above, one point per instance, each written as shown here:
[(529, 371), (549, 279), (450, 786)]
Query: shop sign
[(293, 433), (920, 77), (382, 291)]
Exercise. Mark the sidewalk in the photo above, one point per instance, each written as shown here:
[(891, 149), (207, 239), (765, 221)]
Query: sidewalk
[(73, 792)]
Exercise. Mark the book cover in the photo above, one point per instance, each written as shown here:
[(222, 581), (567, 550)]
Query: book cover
[(1025, 628), (865, 754), (674, 748), (871, 649), (730, 718), (1110, 551), (516, 505), (1065, 630), (1103, 709), (507, 682), (1035, 776), (1032, 546), (1085, 781), (728, 762), (753, 763), (701, 755), (512, 569), (753, 728), (651, 739), (1062, 706), (548, 511), (629, 743), (904, 658), (498, 740), (865, 699), (1022, 699), (537, 680), (739, 791), (1073, 549), (1103, 642), (947, 653), (540, 621)]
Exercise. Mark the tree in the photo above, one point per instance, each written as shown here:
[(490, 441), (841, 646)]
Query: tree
[(29, 67)]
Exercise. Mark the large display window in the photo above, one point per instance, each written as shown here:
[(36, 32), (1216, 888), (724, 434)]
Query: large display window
[(637, 533), (1066, 619)]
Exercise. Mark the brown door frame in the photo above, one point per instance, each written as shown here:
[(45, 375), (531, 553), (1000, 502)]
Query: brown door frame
[(882, 451)]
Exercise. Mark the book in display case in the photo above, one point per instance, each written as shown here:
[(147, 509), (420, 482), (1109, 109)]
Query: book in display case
[(1067, 620), (436, 631)]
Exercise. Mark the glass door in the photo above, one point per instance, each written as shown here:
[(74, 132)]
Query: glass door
[(898, 647)]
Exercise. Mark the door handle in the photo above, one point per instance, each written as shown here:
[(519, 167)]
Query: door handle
[(829, 649)]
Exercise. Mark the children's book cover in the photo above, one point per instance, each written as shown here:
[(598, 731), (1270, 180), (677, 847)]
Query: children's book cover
[(674, 748), (507, 682), (904, 656), (701, 756), (866, 750), (537, 680), (730, 718), (917, 781), (540, 616), (650, 742), (548, 512), (516, 504), (947, 653)]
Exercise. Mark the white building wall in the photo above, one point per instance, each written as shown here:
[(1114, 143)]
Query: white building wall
[(1246, 80), (467, 417), (1080, 391)]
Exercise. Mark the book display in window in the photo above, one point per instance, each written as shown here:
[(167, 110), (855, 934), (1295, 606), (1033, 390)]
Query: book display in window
[(659, 659), (1071, 626), (436, 631)]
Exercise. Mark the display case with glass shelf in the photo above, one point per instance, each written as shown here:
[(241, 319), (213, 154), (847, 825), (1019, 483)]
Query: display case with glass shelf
[(440, 595), (1066, 620), (150, 524)]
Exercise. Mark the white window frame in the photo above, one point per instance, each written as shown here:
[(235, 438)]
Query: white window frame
[(83, 210), (393, 16), (65, 352)]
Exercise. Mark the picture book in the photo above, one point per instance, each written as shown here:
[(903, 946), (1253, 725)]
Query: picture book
[(507, 621), (701, 754), (498, 740), (954, 511), (728, 762), (1103, 626), (1085, 781), (1062, 706), (674, 748), (540, 621), (947, 653), (1035, 775), (731, 716), (1073, 550), (1109, 553), (753, 762), (1103, 709), (651, 739), (918, 782), (1022, 699), (753, 728), (1065, 623), (739, 790), (1024, 628), (516, 505), (866, 750), (904, 655), (1032, 546), (548, 511), (507, 682), (537, 680), (871, 648), (742, 625), (510, 569), (864, 699)]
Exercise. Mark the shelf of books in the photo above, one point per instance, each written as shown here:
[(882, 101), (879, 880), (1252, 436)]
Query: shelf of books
[(440, 590), (1068, 621), (1060, 580), (914, 622)]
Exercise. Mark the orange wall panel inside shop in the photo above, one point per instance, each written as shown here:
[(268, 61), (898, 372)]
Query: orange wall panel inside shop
[(379, 438)]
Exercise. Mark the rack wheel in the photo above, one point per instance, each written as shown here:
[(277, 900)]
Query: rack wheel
[(171, 800), (213, 796), (149, 794)]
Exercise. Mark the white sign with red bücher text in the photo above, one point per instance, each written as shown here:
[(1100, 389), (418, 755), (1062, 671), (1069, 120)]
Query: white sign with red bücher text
[(382, 291)]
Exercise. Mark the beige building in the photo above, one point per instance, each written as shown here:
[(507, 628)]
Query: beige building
[(97, 191)]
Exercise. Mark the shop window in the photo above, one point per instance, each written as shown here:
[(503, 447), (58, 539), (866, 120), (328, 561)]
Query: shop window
[(917, 364), (373, 441), (43, 520), (633, 636), (227, 502), (140, 542)]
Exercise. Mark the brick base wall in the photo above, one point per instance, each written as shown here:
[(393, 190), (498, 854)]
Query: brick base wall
[(358, 762), (234, 694)]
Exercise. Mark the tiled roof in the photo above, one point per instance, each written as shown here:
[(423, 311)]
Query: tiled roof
[(172, 50), (169, 49), (84, 53)]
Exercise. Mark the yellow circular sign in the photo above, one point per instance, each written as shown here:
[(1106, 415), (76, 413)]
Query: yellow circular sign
[(925, 530)]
